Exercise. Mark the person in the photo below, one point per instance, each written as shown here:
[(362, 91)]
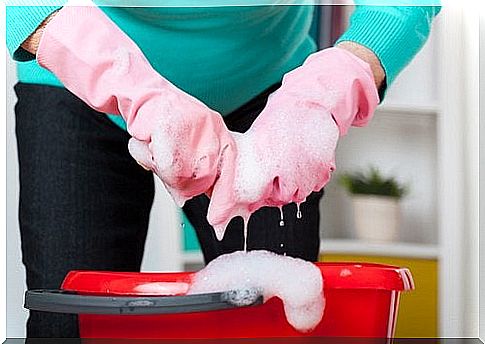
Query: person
[(188, 90)]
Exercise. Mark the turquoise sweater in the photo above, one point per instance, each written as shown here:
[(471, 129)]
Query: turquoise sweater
[(224, 56)]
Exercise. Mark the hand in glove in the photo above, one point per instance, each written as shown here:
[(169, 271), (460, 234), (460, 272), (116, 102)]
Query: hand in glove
[(289, 151), (174, 134)]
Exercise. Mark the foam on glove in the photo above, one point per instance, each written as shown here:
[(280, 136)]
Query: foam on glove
[(289, 152), (174, 134)]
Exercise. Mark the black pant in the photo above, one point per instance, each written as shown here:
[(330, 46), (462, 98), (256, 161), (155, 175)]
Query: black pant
[(85, 203)]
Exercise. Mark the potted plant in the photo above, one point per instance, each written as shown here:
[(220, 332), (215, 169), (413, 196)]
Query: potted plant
[(376, 204)]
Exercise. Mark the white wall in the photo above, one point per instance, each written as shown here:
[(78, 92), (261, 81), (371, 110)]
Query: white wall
[(482, 179), (472, 122), (458, 163), (403, 146)]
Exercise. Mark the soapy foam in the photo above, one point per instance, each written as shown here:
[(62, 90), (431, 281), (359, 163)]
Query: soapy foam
[(251, 173), (297, 283), (243, 297), (297, 152)]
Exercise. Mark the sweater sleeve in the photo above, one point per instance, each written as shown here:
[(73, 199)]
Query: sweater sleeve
[(394, 33), (21, 22)]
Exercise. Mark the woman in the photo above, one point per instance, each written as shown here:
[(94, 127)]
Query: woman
[(182, 81)]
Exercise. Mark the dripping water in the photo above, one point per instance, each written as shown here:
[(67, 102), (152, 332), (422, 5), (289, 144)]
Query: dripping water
[(298, 211), (245, 224), (282, 219)]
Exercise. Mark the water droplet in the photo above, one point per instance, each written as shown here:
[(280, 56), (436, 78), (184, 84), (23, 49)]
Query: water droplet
[(282, 219), (298, 211), (245, 223)]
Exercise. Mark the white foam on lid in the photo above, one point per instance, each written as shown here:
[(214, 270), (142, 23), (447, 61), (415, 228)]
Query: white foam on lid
[(298, 283)]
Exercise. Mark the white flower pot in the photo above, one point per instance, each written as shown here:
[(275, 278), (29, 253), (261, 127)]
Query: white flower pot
[(376, 218)]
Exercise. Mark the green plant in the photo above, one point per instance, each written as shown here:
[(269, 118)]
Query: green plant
[(372, 183)]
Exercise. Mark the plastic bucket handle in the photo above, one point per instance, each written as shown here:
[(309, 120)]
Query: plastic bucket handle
[(59, 301)]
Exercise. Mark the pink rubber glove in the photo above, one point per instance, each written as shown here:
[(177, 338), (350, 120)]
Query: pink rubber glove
[(174, 134), (289, 151)]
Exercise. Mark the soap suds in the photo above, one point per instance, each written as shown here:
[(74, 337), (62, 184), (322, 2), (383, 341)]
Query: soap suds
[(283, 169), (298, 283)]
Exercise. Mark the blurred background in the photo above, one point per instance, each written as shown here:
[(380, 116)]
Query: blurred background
[(423, 140)]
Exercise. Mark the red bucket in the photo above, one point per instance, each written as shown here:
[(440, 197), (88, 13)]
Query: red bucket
[(361, 301)]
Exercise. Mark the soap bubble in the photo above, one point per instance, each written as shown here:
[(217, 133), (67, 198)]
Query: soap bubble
[(298, 283)]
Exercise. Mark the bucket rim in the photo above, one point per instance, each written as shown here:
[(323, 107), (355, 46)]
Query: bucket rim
[(336, 275)]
